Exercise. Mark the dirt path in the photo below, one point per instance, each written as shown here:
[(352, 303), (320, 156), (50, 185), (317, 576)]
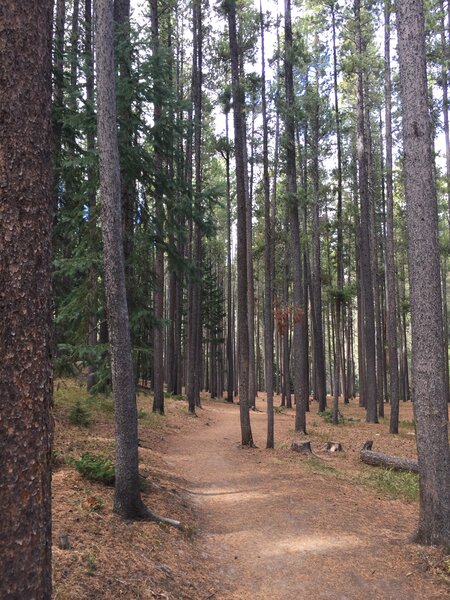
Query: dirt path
[(275, 529)]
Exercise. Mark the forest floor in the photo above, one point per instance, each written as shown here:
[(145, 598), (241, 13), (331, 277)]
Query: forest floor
[(259, 524)]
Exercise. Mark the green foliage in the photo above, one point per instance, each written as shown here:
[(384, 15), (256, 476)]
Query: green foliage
[(397, 484), (142, 414), (79, 415), (327, 416), (91, 567), (95, 467)]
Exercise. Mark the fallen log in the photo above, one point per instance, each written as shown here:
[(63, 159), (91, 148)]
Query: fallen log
[(378, 459)]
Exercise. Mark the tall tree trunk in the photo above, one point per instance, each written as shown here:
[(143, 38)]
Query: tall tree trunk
[(127, 499), (268, 292), (158, 292), (370, 388), (390, 255), (26, 212), (429, 390), (339, 250), (194, 300), (316, 289), (230, 380), (91, 177), (243, 341), (123, 50), (58, 96), (300, 377)]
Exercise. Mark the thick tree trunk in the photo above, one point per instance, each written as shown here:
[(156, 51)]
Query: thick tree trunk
[(26, 212), (429, 390)]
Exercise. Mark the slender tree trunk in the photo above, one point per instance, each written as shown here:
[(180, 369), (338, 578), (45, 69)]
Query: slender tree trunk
[(243, 342), (127, 499), (316, 290), (268, 292), (91, 177), (339, 250), (26, 212), (158, 292), (123, 53), (58, 96), (370, 389), (230, 359), (300, 325), (390, 256), (429, 390)]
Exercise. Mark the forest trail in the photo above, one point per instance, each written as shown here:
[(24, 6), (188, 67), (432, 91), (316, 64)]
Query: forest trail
[(274, 528)]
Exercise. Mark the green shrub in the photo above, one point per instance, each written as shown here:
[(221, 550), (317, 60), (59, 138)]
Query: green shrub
[(79, 415), (141, 414), (95, 467)]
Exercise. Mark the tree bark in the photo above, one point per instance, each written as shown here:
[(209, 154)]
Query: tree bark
[(268, 292), (390, 254), (127, 499), (26, 213), (429, 390), (158, 292), (243, 339), (378, 459), (370, 388), (300, 325), (316, 289)]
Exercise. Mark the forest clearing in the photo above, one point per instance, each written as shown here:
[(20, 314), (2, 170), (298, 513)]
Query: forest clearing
[(258, 524)]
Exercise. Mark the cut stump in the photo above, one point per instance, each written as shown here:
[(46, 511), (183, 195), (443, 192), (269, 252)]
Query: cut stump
[(301, 447), (333, 447), (378, 459)]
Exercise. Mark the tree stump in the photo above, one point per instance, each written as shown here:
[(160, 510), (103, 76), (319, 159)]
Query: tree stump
[(333, 447), (63, 541), (378, 459), (301, 447)]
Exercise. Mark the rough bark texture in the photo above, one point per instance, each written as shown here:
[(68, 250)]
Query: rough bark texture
[(378, 459), (428, 392), (367, 297), (338, 367), (230, 358), (158, 292), (268, 302), (26, 209), (243, 341), (390, 256), (127, 499), (316, 288), (125, 132), (300, 325)]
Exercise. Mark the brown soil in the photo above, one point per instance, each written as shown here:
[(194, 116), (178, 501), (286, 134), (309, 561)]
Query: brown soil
[(260, 524)]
